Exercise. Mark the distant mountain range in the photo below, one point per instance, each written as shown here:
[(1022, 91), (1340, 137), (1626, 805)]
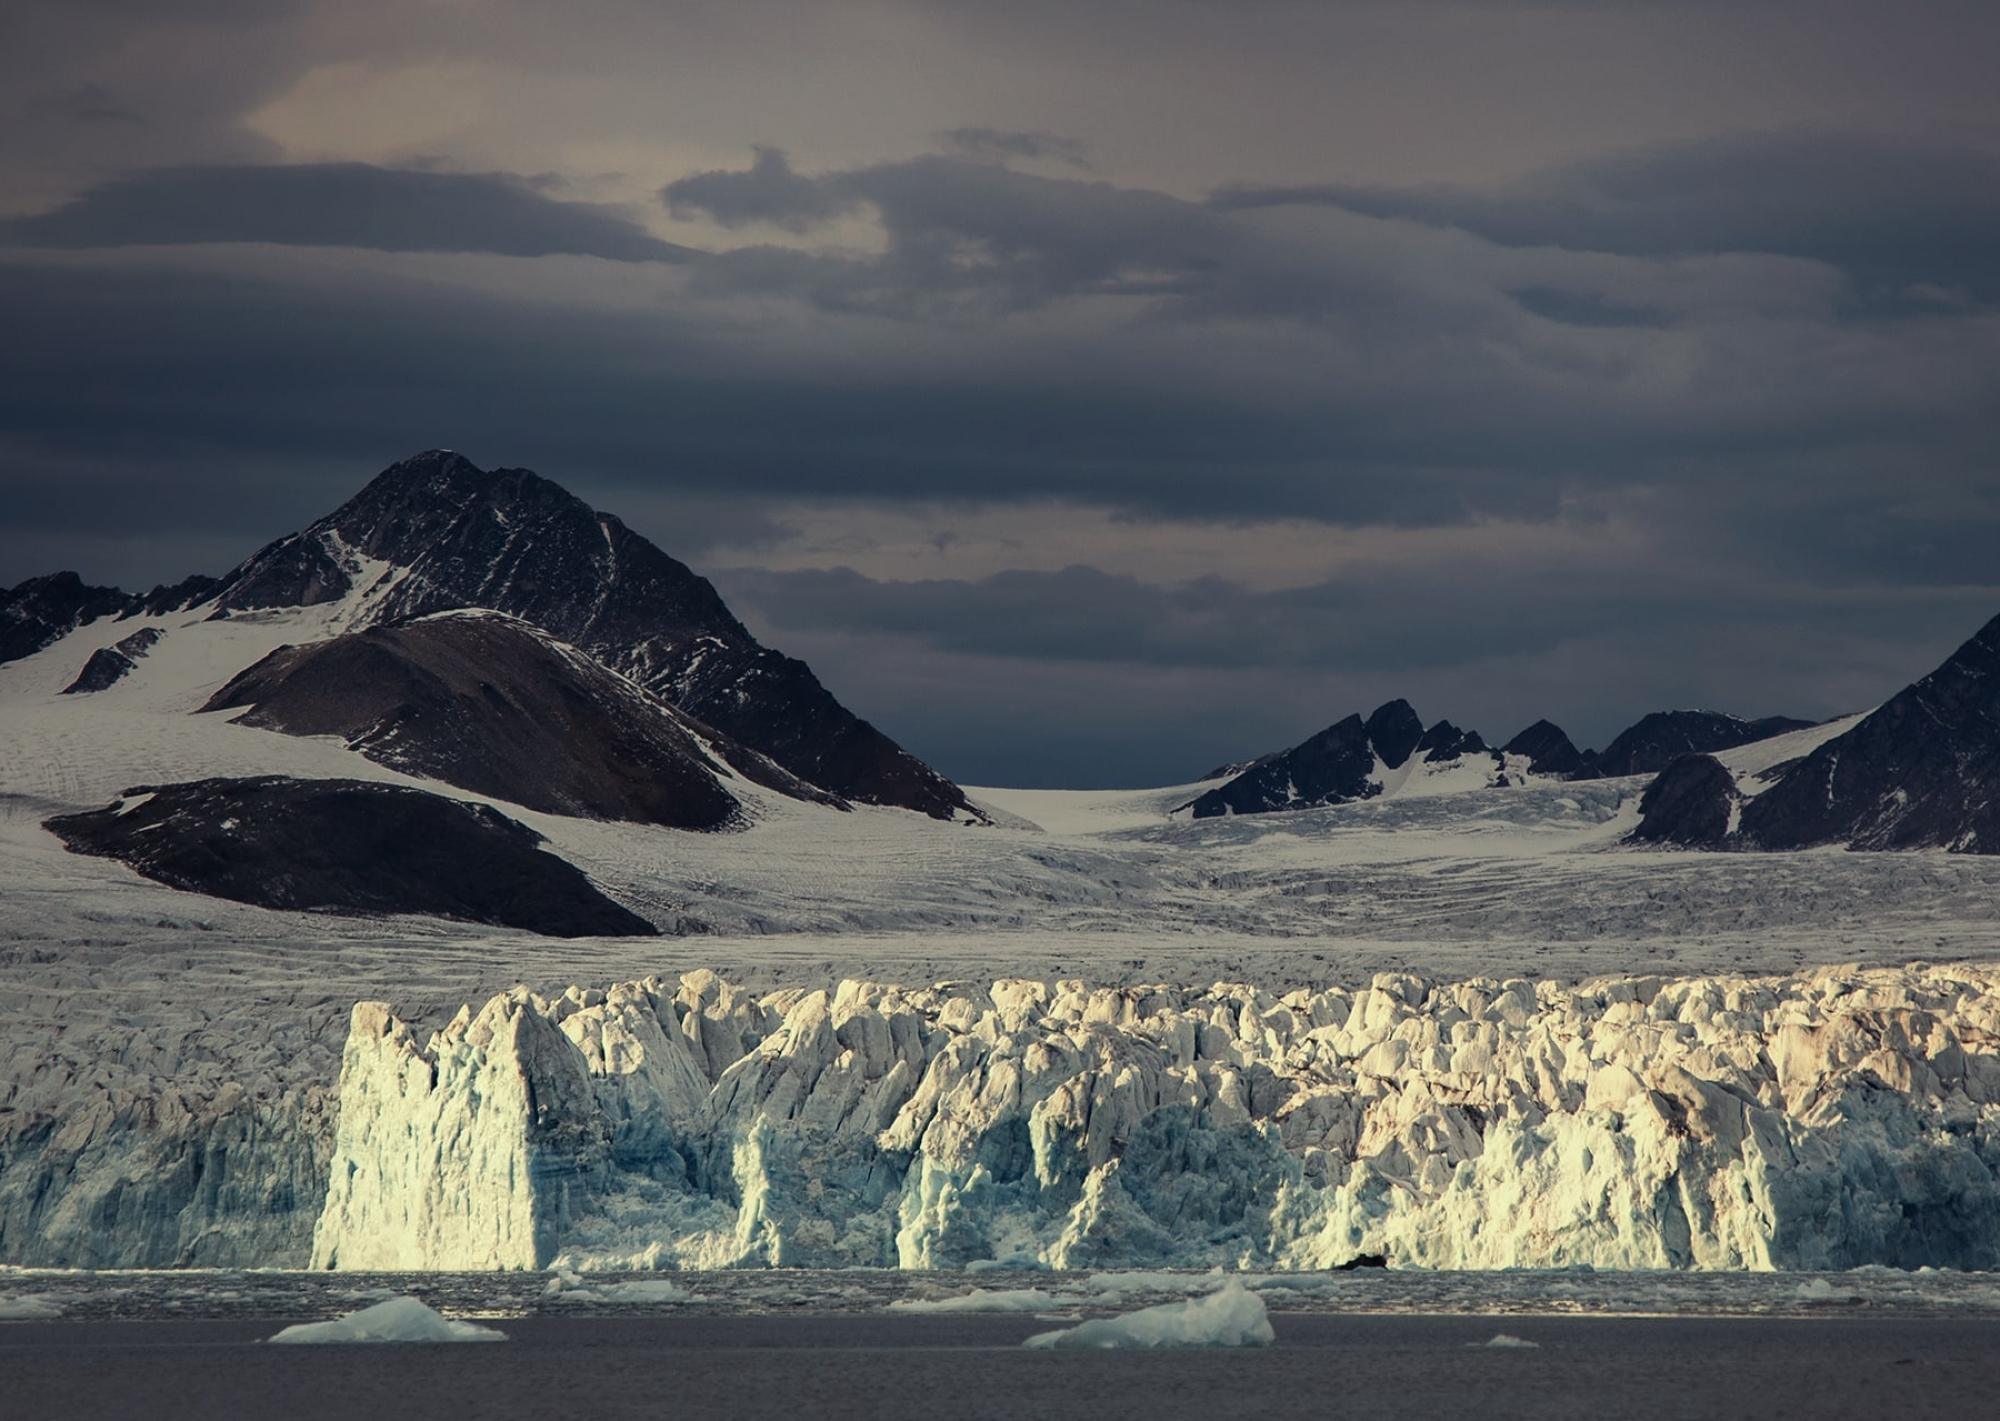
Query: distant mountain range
[(1356, 759), (489, 632)]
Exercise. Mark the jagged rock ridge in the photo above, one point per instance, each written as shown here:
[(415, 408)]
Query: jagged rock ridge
[(491, 704), (436, 533), (1657, 740), (1339, 765), (1921, 771), (347, 846)]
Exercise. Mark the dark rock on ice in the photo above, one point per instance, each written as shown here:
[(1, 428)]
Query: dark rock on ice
[(1656, 740), (347, 846), (1688, 804), (1445, 741), (1395, 732), (1922, 771), (1333, 767), (109, 664), (43, 610), (1548, 749), (490, 704)]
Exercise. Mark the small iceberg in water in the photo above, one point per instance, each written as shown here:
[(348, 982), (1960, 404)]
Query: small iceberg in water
[(1231, 1316), (397, 1320)]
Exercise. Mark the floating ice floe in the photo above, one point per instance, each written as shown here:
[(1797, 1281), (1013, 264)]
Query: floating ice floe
[(1504, 1340), (397, 1320), (1820, 1292), (28, 1307), (1232, 1316), (993, 1300)]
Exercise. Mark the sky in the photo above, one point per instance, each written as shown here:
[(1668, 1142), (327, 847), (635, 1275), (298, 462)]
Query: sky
[(1091, 392)]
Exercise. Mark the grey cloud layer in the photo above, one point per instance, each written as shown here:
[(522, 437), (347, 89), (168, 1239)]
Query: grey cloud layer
[(338, 205), (1800, 405)]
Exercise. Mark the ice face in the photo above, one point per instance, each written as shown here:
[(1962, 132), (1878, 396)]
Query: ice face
[(1232, 1316), (397, 1320), (1816, 1122)]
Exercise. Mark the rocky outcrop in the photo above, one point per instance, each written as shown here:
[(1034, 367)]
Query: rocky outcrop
[(1690, 805), (1817, 1122), (1922, 771), (347, 846), (490, 704), (1336, 766), (437, 533), (1657, 740), (1547, 749), (108, 665), (43, 610)]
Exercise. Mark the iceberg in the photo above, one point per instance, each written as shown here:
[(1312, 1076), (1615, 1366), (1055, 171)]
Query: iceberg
[(28, 1307), (994, 1300), (1231, 1316), (397, 1320)]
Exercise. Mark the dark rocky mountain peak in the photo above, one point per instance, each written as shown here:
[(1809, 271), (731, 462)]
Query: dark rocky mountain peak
[(1395, 731), (1921, 771), (1548, 749), (1336, 766), (1657, 740), (1445, 741), (43, 610), (437, 533)]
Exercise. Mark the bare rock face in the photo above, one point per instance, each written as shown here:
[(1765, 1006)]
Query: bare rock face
[(108, 665), (493, 705), (1922, 771), (1332, 767), (347, 846), (1688, 805), (1657, 740), (42, 610), (453, 535), (1547, 749)]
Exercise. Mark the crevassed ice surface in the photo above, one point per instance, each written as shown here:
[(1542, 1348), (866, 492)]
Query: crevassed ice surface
[(1823, 1121)]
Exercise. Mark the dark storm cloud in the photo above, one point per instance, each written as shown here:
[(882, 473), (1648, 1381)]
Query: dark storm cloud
[(1887, 212), (1426, 619), (338, 205), (1003, 144), (767, 191)]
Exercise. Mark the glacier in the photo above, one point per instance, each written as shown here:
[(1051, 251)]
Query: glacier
[(1817, 1121)]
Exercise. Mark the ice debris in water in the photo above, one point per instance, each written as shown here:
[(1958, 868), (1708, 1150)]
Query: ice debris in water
[(1504, 1340), (996, 1300), (1232, 1316), (28, 1307), (398, 1320), (1820, 1291)]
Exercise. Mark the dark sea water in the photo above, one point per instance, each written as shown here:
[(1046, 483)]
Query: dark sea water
[(835, 1367)]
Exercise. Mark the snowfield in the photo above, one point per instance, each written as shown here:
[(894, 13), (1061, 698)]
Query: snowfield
[(171, 1066)]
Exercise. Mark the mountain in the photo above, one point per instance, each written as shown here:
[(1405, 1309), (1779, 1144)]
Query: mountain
[(491, 704), (1921, 771), (436, 533), (1547, 749), (1657, 740), (1341, 764), (350, 847)]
